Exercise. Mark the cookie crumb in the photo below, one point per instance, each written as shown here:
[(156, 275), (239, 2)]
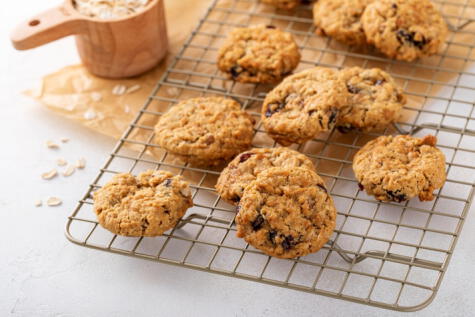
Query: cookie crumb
[(53, 201), (38, 203), (81, 163), (64, 140), (69, 171), (49, 175)]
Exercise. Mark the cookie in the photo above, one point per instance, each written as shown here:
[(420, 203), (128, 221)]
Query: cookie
[(259, 54), (304, 105), (375, 100), (404, 29), (341, 19), (286, 212), (286, 4), (248, 165), (147, 205), (205, 131), (398, 168)]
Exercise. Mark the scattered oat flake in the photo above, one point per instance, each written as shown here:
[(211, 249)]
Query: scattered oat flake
[(119, 90), (65, 140), (49, 175), (50, 144), (90, 114), (133, 89), (54, 201), (38, 203), (96, 96), (172, 91), (81, 163), (61, 162), (69, 171)]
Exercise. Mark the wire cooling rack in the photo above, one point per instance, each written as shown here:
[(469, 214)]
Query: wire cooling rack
[(390, 255)]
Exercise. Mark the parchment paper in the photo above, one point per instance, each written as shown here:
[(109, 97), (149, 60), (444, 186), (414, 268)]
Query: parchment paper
[(72, 91)]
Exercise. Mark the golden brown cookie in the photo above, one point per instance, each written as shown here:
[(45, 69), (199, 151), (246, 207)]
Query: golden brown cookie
[(286, 212), (341, 19), (398, 168), (304, 105), (206, 131), (286, 4), (259, 54), (404, 29), (147, 205), (375, 100), (248, 165)]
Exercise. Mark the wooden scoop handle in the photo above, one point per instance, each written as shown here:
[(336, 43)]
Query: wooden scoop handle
[(48, 26)]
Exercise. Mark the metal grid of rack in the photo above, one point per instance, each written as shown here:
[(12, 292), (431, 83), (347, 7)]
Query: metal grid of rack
[(390, 255)]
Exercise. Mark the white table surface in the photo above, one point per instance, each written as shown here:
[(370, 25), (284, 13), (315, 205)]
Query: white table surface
[(42, 274)]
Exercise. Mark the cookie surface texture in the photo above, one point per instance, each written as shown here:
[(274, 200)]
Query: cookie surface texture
[(206, 131), (375, 100), (260, 54), (248, 165), (286, 212), (404, 29), (146, 205), (398, 168), (304, 105)]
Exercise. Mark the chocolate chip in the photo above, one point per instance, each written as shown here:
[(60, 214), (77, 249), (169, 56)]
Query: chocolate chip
[(145, 224), (353, 89), (332, 119), (345, 128), (209, 140), (396, 196), (257, 223), (409, 37), (270, 112), (288, 243), (272, 235), (236, 199), (270, 27), (235, 71), (323, 188), (167, 182), (244, 157), (361, 187), (394, 6)]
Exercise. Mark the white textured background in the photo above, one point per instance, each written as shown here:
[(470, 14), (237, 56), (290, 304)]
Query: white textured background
[(42, 274)]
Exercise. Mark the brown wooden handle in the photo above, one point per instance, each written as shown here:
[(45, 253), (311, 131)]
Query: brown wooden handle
[(46, 27)]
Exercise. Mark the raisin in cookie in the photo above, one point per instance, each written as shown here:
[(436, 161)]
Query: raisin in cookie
[(340, 19), (303, 105), (286, 212), (246, 166), (286, 4), (404, 29), (147, 205), (375, 100), (398, 168), (260, 54), (205, 131)]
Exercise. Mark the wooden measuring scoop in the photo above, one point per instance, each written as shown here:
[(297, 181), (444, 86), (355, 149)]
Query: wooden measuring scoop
[(111, 48)]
